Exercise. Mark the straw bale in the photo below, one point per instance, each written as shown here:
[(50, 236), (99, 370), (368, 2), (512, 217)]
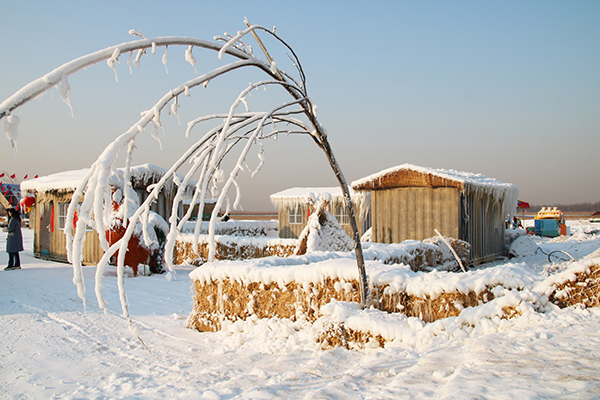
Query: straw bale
[(584, 291), (184, 252), (430, 309), (215, 301)]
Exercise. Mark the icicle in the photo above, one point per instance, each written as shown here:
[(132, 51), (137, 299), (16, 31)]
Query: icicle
[(153, 48), (129, 62), (138, 57), (111, 61), (65, 88), (205, 84), (189, 57), (186, 90), (156, 117), (154, 133), (164, 60), (175, 106), (11, 128)]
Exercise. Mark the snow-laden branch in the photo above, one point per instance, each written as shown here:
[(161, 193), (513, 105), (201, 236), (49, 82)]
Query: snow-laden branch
[(60, 74), (206, 155)]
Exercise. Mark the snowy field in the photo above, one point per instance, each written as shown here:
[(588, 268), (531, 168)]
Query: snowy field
[(51, 348)]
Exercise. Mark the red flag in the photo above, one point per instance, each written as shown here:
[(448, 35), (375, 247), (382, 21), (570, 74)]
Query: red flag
[(12, 176), (25, 177)]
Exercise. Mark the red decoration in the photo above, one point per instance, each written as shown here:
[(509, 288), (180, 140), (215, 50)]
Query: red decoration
[(13, 176), (27, 202), (2, 175), (35, 177), (25, 177), (136, 254)]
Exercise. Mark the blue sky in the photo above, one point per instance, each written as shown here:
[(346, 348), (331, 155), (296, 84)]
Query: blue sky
[(508, 89)]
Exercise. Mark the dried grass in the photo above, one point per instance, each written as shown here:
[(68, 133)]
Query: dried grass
[(408, 178), (184, 252), (216, 301), (584, 291), (229, 299), (430, 309), (338, 335)]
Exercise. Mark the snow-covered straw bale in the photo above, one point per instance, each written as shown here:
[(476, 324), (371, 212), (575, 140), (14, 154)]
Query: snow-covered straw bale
[(579, 285), (298, 286), (236, 228), (230, 248)]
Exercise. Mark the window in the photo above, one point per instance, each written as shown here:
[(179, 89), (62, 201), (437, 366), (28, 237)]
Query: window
[(63, 209), (341, 214), (295, 215), (62, 215)]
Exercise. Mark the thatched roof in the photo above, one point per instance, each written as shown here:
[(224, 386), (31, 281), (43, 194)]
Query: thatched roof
[(408, 175)]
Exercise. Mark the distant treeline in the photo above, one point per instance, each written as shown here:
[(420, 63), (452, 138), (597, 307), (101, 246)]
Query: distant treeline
[(580, 207)]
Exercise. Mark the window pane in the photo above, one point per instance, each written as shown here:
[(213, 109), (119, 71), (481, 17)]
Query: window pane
[(62, 214), (295, 215)]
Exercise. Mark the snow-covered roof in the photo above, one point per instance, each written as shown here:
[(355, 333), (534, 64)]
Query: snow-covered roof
[(297, 196), (403, 176), (62, 181), (141, 175), (408, 175)]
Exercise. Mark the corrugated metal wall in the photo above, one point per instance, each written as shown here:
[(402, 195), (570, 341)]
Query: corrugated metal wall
[(413, 213), (484, 226)]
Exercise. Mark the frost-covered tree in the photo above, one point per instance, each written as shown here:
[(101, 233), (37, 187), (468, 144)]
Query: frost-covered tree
[(242, 130)]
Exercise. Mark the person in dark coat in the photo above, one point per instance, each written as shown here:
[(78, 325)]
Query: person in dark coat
[(14, 240)]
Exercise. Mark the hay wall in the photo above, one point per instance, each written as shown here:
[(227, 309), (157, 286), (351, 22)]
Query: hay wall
[(215, 301), (232, 248)]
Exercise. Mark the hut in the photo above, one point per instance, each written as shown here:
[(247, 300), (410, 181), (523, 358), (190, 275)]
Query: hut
[(52, 195), (293, 209), (411, 202)]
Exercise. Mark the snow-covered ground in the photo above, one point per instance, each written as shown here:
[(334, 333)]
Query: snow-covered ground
[(50, 347)]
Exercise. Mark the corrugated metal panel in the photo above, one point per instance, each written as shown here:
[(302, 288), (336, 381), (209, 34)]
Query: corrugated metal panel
[(414, 213), (485, 227)]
